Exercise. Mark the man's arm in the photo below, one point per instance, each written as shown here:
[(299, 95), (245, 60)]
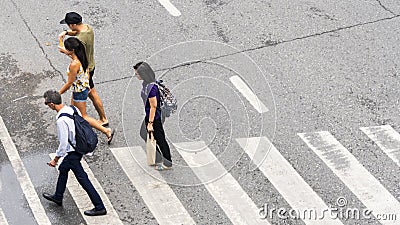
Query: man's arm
[(61, 37), (62, 130), (67, 32)]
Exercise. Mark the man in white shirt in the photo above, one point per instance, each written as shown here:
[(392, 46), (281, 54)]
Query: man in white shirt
[(72, 159)]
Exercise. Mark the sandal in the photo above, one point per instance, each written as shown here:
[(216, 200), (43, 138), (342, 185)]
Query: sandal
[(103, 124), (161, 167), (109, 139)]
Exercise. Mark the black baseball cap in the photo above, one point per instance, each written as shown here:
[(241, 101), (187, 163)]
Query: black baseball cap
[(72, 18)]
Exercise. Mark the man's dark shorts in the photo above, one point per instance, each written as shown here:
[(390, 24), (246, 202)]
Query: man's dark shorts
[(91, 74)]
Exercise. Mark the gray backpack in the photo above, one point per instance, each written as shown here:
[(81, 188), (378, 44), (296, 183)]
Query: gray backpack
[(168, 102)]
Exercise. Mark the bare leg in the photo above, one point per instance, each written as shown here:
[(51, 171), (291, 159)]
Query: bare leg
[(82, 108), (98, 105)]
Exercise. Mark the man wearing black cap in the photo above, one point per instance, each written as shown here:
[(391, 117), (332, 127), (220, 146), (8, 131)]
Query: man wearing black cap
[(85, 34)]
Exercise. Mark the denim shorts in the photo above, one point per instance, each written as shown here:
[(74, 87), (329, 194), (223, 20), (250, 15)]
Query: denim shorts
[(80, 96)]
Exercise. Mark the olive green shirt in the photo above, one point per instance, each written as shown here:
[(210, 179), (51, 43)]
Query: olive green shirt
[(87, 38)]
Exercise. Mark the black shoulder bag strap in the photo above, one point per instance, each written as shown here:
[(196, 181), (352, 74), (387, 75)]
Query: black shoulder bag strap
[(71, 117)]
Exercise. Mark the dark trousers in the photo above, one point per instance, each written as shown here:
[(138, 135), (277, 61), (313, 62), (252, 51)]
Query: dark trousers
[(162, 144), (73, 162)]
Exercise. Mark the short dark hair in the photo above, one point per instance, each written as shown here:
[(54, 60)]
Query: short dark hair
[(137, 65), (52, 96)]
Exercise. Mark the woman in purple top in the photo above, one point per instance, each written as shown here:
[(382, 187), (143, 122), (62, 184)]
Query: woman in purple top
[(151, 101)]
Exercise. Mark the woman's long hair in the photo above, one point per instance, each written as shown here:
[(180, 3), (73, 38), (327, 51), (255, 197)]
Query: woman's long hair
[(73, 44), (145, 72)]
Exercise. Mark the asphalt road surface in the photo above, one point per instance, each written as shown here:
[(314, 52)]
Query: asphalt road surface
[(288, 111)]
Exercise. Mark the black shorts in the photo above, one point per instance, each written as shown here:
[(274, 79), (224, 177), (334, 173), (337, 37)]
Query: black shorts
[(91, 74)]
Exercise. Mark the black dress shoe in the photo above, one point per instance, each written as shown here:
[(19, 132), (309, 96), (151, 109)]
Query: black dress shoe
[(94, 212), (51, 198)]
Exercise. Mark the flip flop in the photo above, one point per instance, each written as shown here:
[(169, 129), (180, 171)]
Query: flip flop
[(104, 124), (111, 137)]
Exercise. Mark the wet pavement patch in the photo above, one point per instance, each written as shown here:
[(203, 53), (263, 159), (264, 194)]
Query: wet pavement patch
[(20, 107)]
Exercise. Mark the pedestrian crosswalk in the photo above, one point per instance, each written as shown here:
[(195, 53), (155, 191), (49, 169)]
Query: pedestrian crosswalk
[(284, 177), (364, 185), (3, 219), (387, 139), (235, 201), (82, 199), (22, 176), (158, 196), (236, 204)]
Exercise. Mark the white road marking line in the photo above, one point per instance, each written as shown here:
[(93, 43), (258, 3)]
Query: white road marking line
[(248, 94), (227, 192), (158, 196), (365, 186), (170, 7), (286, 180), (22, 176), (82, 200), (17, 99), (3, 219), (387, 139)]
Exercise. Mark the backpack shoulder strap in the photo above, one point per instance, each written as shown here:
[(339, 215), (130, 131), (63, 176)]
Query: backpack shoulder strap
[(67, 115), (149, 86), (75, 112), (71, 117)]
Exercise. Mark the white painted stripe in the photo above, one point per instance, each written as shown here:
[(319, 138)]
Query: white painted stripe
[(366, 187), (158, 196), (22, 176), (170, 7), (248, 94), (387, 139), (3, 219), (286, 180), (17, 99), (227, 192), (82, 200)]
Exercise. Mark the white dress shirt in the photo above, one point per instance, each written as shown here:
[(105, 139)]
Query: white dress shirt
[(66, 131)]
